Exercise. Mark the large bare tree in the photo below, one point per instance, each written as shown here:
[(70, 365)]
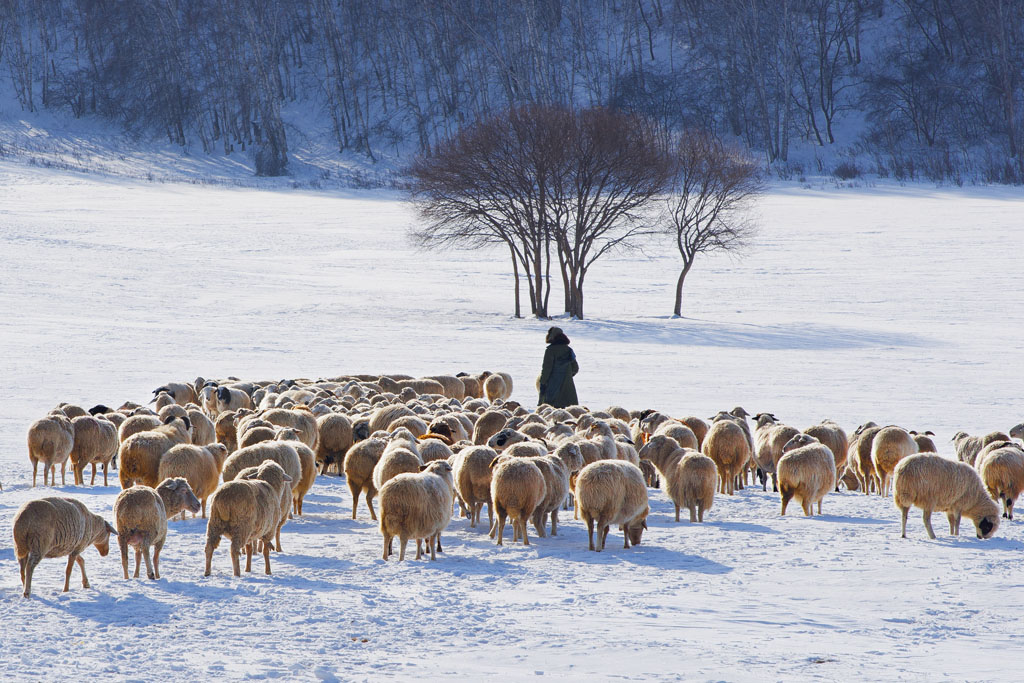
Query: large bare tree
[(710, 207), (543, 179)]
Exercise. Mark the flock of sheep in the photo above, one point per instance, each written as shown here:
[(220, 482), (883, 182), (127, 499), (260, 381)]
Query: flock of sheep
[(247, 453)]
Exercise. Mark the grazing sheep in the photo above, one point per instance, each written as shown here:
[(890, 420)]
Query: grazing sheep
[(834, 437), (693, 486), (359, 463), (807, 472), (420, 386), (935, 484), (95, 444), (417, 505), (300, 419), (141, 515), (556, 481), (200, 466), (50, 441), (246, 511), (612, 492), (55, 527), (517, 488), (229, 399), (334, 439), (1002, 472), (472, 475), (489, 424), (139, 455), (968, 447), (890, 445), (727, 443), (397, 459)]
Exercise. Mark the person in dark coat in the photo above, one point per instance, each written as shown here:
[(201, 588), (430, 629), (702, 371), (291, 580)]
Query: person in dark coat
[(556, 386)]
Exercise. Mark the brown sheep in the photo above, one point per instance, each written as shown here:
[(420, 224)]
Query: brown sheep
[(334, 439), (807, 472), (139, 455), (890, 445), (200, 466), (517, 488), (1002, 472), (141, 515), (472, 474), (933, 483), (50, 441), (612, 492), (95, 444), (727, 444), (359, 462)]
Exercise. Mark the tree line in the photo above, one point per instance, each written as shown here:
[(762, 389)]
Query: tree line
[(935, 87)]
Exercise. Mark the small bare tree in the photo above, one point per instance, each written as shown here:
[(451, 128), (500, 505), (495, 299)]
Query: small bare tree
[(709, 209)]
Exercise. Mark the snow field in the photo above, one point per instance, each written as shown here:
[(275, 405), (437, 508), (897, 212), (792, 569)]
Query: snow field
[(893, 304)]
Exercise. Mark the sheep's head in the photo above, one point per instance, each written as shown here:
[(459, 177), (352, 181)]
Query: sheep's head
[(986, 526), (657, 446), (635, 529), (102, 541), (177, 494), (739, 412), (506, 437), (958, 436), (764, 419)]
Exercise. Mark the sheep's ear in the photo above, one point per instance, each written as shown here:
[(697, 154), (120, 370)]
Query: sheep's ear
[(929, 433), (494, 462), (110, 530), (287, 478), (169, 419), (423, 467), (188, 422)]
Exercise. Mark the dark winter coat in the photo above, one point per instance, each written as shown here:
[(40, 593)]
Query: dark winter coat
[(556, 386)]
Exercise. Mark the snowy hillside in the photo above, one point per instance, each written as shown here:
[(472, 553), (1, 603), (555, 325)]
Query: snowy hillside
[(892, 304)]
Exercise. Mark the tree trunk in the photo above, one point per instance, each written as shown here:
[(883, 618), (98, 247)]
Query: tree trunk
[(515, 274), (678, 312)]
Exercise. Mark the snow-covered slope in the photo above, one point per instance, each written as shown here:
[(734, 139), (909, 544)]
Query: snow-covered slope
[(892, 304)]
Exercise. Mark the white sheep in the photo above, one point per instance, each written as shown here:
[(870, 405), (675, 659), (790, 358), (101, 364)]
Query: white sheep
[(1002, 472), (417, 505), (612, 492), (933, 483), (890, 445), (50, 441), (517, 488), (55, 527), (200, 466), (141, 515), (807, 472)]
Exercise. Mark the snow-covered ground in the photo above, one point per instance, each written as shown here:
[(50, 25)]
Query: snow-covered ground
[(898, 305)]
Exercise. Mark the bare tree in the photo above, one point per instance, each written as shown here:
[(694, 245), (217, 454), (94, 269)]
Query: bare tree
[(709, 208)]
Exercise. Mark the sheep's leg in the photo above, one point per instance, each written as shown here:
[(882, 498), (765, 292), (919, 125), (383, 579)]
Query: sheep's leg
[(819, 506), (236, 552), (67, 572), (700, 513), (21, 568), (149, 562), (437, 541), (30, 567), (522, 525), (63, 467), (775, 483), (277, 536), (419, 548), (369, 504), (401, 554), (693, 513), (1009, 507), (903, 521), (500, 526), (604, 535), (211, 545), (554, 522), (785, 500), (590, 531), (433, 543), (105, 474), (81, 567), (249, 549), (356, 490), (122, 541), (677, 512), (387, 547), (927, 516), (808, 507), (539, 521), (92, 482), (156, 558), (35, 468), (203, 503), (266, 556)]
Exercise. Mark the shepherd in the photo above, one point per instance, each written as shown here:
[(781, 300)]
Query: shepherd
[(556, 386)]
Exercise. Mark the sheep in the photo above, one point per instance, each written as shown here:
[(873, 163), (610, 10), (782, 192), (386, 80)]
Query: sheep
[(229, 399), (727, 444), (139, 455), (200, 466), (141, 515), (517, 488), (890, 445), (698, 426), (135, 424), (179, 392), (452, 385), (612, 492), (526, 449), (434, 449), (417, 505), (472, 475), (71, 411), (865, 465), (95, 444), (50, 441), (498, 387), (459, 430), (693, 486), (307, 467), (807, 472), (385, 415), (650, 473), (505, 438), (1002, 472), (1017, 431), (933, 483), (55, 527), (334, 439), (203, 431), (299, 419), (256, 434), (359, 464), (414, 423), (280, 452), (471, 386), (224, 426), (556, 481), (834, 437), (246, 511), (968, 447), (489, 424), (683, 435), (664, 453), (925, 444), (395, 460), (627, 450), (772, 436), (420, 386)]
